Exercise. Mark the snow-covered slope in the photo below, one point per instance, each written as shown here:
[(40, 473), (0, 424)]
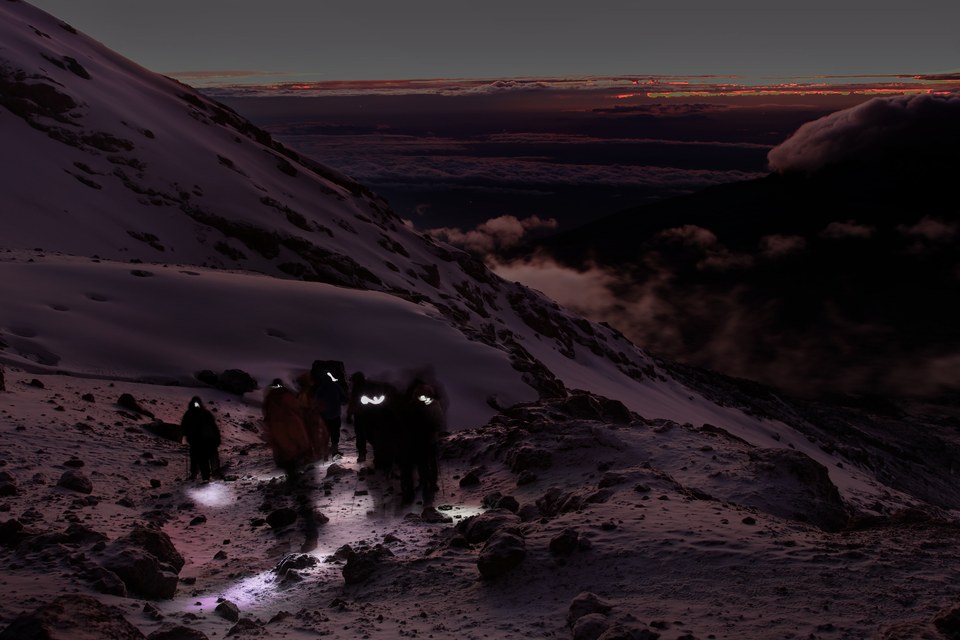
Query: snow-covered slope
[(116, 162)]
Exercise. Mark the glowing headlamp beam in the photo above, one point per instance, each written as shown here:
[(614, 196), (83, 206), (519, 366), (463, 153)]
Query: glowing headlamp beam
[(425, 399), (372, 400)]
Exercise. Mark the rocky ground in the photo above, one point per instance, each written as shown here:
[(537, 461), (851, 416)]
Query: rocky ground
[(567, 519)]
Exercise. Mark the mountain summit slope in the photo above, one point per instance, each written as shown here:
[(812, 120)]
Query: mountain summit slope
[(113, 161)]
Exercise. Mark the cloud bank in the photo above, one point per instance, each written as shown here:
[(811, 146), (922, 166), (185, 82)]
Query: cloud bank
[(927, 120), (743, 328)]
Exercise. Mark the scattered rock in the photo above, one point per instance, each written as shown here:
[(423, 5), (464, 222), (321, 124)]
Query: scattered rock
[(293, 562), (527, 457), (155, 542), (509, 503), (88, 397), (152, 612), (141, 572), (590, 626), (611, 479), (361, 566), (146, 561), (556, 502), (480, 527), (198, 520), (245, 626), (12, 533), (8, 488), (178, 632), (105, 581), (490, 500), (127, 401), (74, 463), (586, 603), (502, 552), (469, 479), (337, 469), (3, 384), (36, 384), (565, 543), (228, 611), (75, 481), (58, 620)]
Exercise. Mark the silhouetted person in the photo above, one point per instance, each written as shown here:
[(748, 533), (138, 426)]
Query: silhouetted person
[(422, 419), (329, 393), (284, 429), (200, 430), (357, 381), (314, 423)]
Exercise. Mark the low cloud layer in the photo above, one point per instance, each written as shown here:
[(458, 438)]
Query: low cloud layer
[(739, 329), (496, 234), (928, 120)]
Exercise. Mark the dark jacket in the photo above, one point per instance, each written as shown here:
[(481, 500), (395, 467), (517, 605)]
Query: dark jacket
[(200, 427)]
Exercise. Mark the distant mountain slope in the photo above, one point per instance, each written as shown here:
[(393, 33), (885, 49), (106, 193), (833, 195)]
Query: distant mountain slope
[(832, 274)]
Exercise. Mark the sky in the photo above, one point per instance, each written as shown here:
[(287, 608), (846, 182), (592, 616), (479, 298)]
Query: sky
[(376, 39)]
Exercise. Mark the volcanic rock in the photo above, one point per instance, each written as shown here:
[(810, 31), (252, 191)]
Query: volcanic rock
[(502, 552), (58, 620)]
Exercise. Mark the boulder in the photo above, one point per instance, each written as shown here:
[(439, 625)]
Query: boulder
[(228, 611), (58, 620), (155, 542), (141, 572), (178, 632), (590, 626), (565, 543), (586, 603), (75, 480), (502, 552), (128, 402), (362, 565), (146, 561), (791, 484), (480, 527)]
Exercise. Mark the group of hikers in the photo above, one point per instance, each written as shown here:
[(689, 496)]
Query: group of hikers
[(401, 423)]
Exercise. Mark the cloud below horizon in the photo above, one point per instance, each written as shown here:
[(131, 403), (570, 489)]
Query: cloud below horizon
[(931, 121), (731, 329)]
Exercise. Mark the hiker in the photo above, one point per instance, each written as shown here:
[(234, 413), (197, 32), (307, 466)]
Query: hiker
[(314, 423), (284, 429), (423, 416), (199, 429), (357, 381), (328, 391), (375, 411)]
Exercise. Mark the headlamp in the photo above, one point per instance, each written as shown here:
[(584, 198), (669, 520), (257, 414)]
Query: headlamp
[(372, 399), (332, 377), (427, 400)]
